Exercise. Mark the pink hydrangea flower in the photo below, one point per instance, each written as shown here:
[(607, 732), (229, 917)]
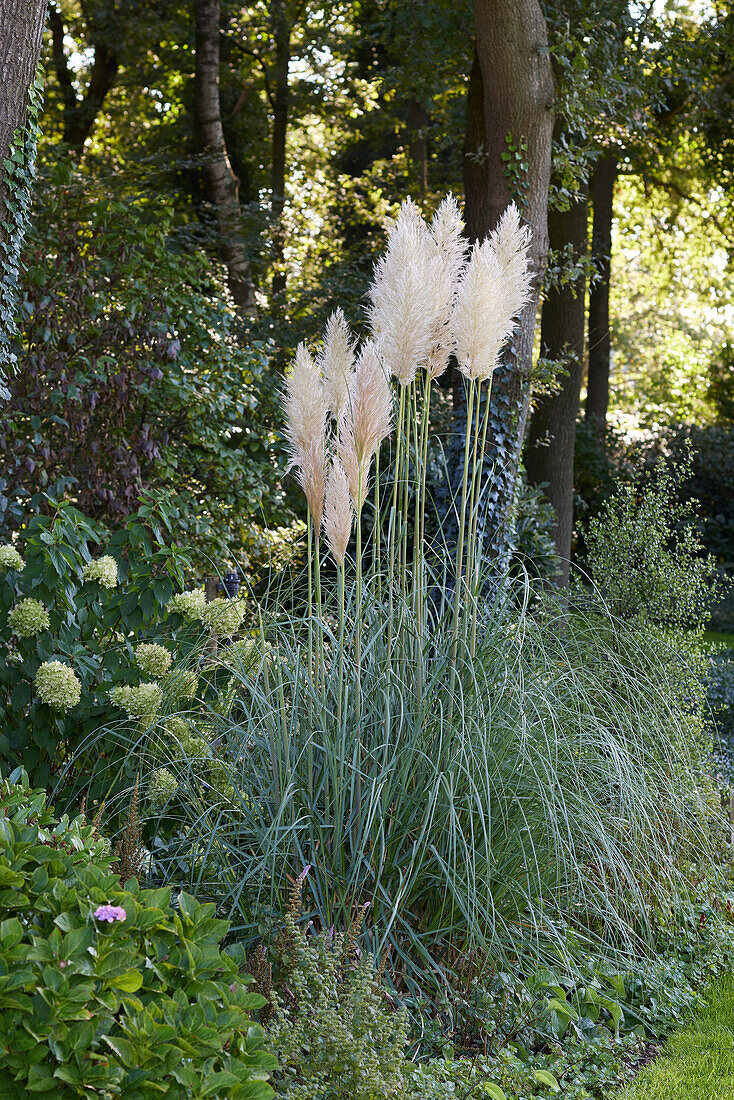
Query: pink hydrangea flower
[(110, 913)]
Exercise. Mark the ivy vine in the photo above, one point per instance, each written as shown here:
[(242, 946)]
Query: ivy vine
[(517, 169), (19, 169)]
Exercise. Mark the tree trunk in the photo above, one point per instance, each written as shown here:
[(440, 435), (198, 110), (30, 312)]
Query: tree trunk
[(509, 110), (417, 127), (602, 196), (21, 33), (282, 30), (551, 440), (222, 183), (81, 114)]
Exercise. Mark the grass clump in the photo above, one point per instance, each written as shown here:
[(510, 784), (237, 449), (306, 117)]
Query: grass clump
[(498, 783), (698, 1061)]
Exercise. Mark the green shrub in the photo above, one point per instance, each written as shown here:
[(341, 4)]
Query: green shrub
[(646, 558), (105, 990), (708, 480), (70, 624), (132, 337)]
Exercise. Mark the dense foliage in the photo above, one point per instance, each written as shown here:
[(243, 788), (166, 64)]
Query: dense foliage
[(459, 817), (69, 624), (107, 989), (130, 327)]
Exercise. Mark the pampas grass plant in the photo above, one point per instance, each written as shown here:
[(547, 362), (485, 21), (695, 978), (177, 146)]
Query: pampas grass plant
[(428, 749)]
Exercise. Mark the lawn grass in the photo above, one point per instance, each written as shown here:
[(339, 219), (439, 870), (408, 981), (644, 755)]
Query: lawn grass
[(698, 1061), (717, 636)]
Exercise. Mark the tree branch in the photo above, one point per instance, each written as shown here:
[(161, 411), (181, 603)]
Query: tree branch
[(675, 189)]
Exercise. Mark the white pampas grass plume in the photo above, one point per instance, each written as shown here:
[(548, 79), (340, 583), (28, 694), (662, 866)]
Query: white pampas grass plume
[(372, 403), (447, 231), (401, 309), (511, 242), (306, 413), (493, 289), (336, 362), (312, 478), (480, 313), (356, 469), (337, 511)]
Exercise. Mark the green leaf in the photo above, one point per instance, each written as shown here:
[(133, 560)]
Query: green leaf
[(11, 933), (492, 1090), (545, 1077), (563, 1008), (41, 1079), (129, 982)]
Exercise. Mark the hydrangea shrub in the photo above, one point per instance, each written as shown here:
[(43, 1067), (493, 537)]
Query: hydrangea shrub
[(86, 641), (110, 990), (77, 625)]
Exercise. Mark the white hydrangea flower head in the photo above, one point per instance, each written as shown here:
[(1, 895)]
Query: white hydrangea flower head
[(141, 702), (57, 685), (195, 747), (224, 616), (152, 659), (28, 618), (189, 605), (243, 656), (177, 727), (162, 787), (10, 558), (103, 570)]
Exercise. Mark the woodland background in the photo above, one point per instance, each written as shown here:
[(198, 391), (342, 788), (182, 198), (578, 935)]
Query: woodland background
[(214, 178)]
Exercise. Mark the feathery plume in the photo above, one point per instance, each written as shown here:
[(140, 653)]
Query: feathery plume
[(312, 478), (447, 232), (401, 310), (336, 362), (358, 472), (337, 511), (511, 242), (372, 403), (306, 413), (480, 314), (493, 289)]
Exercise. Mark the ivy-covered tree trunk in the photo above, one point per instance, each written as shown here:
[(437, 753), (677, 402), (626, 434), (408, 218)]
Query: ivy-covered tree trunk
[(21, 33), (222, 182), (282, 30), (507, 157), (602, 197), (549, 451)]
